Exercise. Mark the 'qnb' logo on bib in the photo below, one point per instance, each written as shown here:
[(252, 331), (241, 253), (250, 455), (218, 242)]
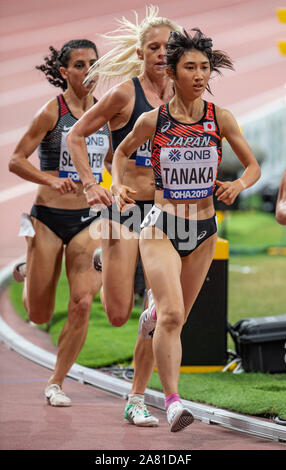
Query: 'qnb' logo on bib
[(174, 155)]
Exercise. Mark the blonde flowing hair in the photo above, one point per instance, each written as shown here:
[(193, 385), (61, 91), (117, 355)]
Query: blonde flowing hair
[(122, 60)]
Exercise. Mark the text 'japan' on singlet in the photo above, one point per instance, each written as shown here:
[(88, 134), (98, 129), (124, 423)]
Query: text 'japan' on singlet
[(141, 105), (54, 153), (185, 157)]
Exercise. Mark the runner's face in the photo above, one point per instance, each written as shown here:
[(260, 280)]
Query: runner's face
[(76, 71), (193, 73), (153, 51)]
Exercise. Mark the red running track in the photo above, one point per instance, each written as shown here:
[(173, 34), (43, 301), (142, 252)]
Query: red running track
[(248, 31)]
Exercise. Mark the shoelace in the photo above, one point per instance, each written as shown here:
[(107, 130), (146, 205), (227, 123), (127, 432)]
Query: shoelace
[(139, 407), (58, 391)]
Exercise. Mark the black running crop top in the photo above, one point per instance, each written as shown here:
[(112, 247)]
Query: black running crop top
[(141, 105)]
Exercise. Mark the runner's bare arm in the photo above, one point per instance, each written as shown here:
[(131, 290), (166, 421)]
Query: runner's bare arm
[(280, 212), (229, 190), (101, 113), (19, 164), (108, 158), (95, 118)]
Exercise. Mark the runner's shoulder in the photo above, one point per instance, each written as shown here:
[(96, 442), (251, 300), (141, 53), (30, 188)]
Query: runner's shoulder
[(48, 114), (121, 94)]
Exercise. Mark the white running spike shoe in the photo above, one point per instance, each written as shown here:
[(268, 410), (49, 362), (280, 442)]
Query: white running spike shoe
[(136, 413), (178, 416), (56, 396), (147, 323)]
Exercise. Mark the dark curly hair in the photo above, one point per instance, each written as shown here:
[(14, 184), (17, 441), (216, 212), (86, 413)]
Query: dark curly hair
[(180, 42), (57, 59)]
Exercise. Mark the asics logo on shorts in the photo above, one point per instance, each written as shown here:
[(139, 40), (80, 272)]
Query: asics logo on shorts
[(202, 235)]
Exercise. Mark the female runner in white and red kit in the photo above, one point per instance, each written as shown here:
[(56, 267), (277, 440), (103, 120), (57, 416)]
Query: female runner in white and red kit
[(179, 235)]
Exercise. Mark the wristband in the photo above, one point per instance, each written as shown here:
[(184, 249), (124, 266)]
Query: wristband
[(87, 186)]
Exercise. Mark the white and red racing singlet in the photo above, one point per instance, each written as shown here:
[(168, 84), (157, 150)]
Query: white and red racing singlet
[(185, 157)]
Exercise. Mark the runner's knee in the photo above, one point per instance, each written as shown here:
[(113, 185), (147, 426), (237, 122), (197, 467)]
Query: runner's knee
[(79, 308), (40, 314), (171, 318), (117, 315)]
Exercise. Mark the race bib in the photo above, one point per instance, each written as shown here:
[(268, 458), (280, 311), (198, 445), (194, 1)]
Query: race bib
[(188, 173), (143, 155), (97, 148)]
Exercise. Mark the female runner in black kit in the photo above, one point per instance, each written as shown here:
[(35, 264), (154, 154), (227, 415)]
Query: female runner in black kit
[(179, 235), (60, 218)]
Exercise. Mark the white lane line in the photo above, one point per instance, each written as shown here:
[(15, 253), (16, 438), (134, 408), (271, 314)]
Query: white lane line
[(215, 15), (243, 65), (244, 109), (255, 61), (259, 30), (18, 41), (13, 136), (17, 191), (233, 36), (26, 93), (20, 64)]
